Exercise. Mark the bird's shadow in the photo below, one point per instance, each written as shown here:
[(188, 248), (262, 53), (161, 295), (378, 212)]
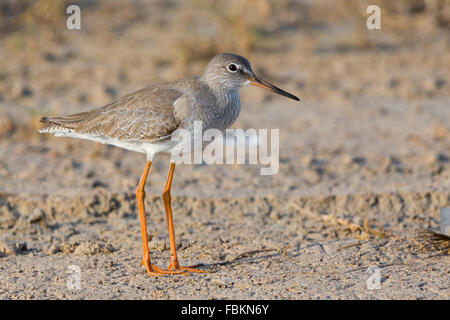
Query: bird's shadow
[(249, 256), (246, 257)]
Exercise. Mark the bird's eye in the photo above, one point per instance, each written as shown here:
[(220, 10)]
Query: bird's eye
[(232, 67)]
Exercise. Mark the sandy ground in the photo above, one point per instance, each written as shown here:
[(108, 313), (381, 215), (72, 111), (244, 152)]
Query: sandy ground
[(364, 165)]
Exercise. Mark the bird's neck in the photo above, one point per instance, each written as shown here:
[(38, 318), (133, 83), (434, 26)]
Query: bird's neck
[(221, 89), (226, 94), (227, 104)]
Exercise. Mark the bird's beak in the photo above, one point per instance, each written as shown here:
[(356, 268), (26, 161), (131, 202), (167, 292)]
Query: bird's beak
[(257, 81)]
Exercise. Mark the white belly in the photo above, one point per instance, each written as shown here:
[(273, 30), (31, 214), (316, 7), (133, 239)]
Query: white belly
[(150, 149)]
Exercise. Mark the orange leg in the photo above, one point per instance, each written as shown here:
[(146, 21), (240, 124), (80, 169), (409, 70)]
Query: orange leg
[(140, 195), (174, 265)]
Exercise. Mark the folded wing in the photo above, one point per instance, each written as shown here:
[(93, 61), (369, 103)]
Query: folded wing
[(145, 115)]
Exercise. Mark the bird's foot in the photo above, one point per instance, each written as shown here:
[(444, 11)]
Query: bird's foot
[(153, 270), (174, 266)]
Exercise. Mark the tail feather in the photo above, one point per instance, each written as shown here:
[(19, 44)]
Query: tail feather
[(65, 123)]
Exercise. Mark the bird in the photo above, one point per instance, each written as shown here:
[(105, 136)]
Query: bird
[(144, 121)]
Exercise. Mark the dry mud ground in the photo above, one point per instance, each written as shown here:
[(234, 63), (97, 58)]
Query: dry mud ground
[(364, 164)]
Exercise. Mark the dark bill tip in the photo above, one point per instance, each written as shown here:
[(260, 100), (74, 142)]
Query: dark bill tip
[(259, 82)]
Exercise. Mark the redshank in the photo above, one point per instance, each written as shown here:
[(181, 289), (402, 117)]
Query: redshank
[(145, 120)]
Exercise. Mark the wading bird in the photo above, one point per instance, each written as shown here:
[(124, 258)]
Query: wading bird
[(144, 121)]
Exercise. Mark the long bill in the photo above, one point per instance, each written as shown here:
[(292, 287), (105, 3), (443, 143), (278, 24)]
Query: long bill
[(259, 82)]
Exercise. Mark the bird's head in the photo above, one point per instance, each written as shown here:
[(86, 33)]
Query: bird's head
[(232, 71)]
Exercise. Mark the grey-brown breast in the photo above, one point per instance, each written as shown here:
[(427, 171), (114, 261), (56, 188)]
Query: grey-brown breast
[(214, 107)]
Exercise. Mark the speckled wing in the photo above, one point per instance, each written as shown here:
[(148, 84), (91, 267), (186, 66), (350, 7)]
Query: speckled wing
[(145, 115)]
